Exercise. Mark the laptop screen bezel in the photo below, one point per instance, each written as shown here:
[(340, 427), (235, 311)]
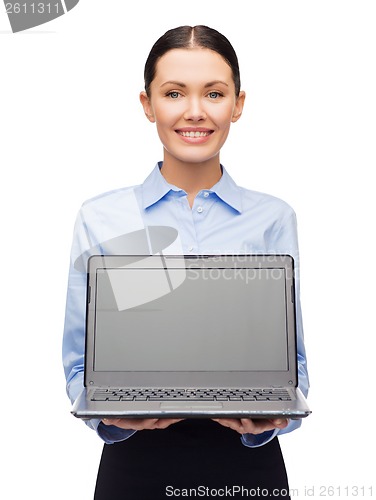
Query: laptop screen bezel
[(197, 379)]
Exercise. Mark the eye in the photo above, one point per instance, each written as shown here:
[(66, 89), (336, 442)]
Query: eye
[(214, 95), (173, 94)]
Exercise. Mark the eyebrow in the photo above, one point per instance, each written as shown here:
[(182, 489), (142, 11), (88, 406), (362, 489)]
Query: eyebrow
[(183, 85)]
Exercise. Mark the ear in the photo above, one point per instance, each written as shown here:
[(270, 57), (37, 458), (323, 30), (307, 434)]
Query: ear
[(238, 108), (146, 104)]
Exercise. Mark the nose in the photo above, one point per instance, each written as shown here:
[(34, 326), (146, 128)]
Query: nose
[(195, 110)]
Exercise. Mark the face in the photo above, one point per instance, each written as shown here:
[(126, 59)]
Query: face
[(193, 103)]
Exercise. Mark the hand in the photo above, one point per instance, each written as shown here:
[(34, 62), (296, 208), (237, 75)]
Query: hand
[(140, 424), (256, 426)]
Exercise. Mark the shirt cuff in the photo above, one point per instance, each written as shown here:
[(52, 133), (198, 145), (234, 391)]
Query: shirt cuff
[(256, 440), (112, 434)]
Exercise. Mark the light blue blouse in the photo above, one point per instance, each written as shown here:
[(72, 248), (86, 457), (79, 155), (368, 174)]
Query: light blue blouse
[(226, 219)]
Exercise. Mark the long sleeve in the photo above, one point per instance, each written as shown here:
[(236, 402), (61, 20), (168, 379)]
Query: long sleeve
[(74, 331)]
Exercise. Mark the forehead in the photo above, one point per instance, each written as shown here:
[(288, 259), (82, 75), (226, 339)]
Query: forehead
[(192, 66)]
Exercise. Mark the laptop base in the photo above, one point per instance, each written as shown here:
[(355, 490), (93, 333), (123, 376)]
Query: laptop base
[(294, 409)]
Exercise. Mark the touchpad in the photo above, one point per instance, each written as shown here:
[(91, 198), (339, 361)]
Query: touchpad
[(190, 406)]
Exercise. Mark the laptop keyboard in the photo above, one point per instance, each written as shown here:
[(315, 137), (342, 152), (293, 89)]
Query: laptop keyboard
[(276, 394)]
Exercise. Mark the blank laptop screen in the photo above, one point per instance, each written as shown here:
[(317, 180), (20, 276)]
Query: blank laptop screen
[(190, 320)]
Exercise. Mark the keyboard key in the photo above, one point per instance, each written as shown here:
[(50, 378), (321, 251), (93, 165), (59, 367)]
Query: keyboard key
[(200, 394)]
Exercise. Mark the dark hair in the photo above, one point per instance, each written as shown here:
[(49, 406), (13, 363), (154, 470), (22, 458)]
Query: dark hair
[(185, 37)]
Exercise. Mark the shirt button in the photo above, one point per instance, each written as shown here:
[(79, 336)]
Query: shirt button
[(199, 209), (190, 249), (206, 194)]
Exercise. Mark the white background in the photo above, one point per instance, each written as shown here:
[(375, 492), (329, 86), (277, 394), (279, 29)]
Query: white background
[(71, 127)]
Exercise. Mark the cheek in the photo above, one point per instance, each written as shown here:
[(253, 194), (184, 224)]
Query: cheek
[(223, 116), (166, 115)]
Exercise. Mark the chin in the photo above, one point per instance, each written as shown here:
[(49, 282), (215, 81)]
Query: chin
[(193, 156)]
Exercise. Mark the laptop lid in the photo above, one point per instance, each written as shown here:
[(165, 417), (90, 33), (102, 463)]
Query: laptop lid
[(191, 321)]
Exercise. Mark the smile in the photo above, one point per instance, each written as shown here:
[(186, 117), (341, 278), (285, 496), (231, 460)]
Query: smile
[(194, 134)]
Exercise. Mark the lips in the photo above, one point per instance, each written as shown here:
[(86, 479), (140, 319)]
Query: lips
[(195, 134)]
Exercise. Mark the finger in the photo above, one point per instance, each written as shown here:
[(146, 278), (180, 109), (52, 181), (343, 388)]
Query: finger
[(231, 423), (249, 426), (163, 423), (110, 421), (244, 425), (257, 426), (136, 424), (139, 424), (280, 423)]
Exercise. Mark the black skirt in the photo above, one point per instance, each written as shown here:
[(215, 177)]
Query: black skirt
[(192, 458)]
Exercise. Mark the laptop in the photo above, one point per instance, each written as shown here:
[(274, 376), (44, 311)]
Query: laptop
[(183, 336)]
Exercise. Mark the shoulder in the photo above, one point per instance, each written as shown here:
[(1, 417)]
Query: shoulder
[(112, 209), (275, 220), (121, 200), (108, 215), (109, 197), (259, 201)]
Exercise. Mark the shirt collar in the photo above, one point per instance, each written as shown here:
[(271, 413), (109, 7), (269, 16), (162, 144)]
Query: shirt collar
[(155, 187)]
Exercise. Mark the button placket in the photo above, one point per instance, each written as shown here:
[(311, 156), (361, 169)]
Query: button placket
[(185, 217)]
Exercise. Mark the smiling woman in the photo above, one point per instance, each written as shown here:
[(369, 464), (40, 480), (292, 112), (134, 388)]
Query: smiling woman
[(192, 108), (192, 94)]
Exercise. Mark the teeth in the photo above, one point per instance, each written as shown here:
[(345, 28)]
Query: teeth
[(194, 134)]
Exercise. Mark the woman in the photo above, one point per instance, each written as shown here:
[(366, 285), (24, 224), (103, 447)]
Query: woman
[(192, 94)]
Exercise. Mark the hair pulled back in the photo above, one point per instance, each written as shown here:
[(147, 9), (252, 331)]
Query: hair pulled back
[(189, 37)]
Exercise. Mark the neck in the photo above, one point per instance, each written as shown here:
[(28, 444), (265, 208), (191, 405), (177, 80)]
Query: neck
[(192, 177)]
